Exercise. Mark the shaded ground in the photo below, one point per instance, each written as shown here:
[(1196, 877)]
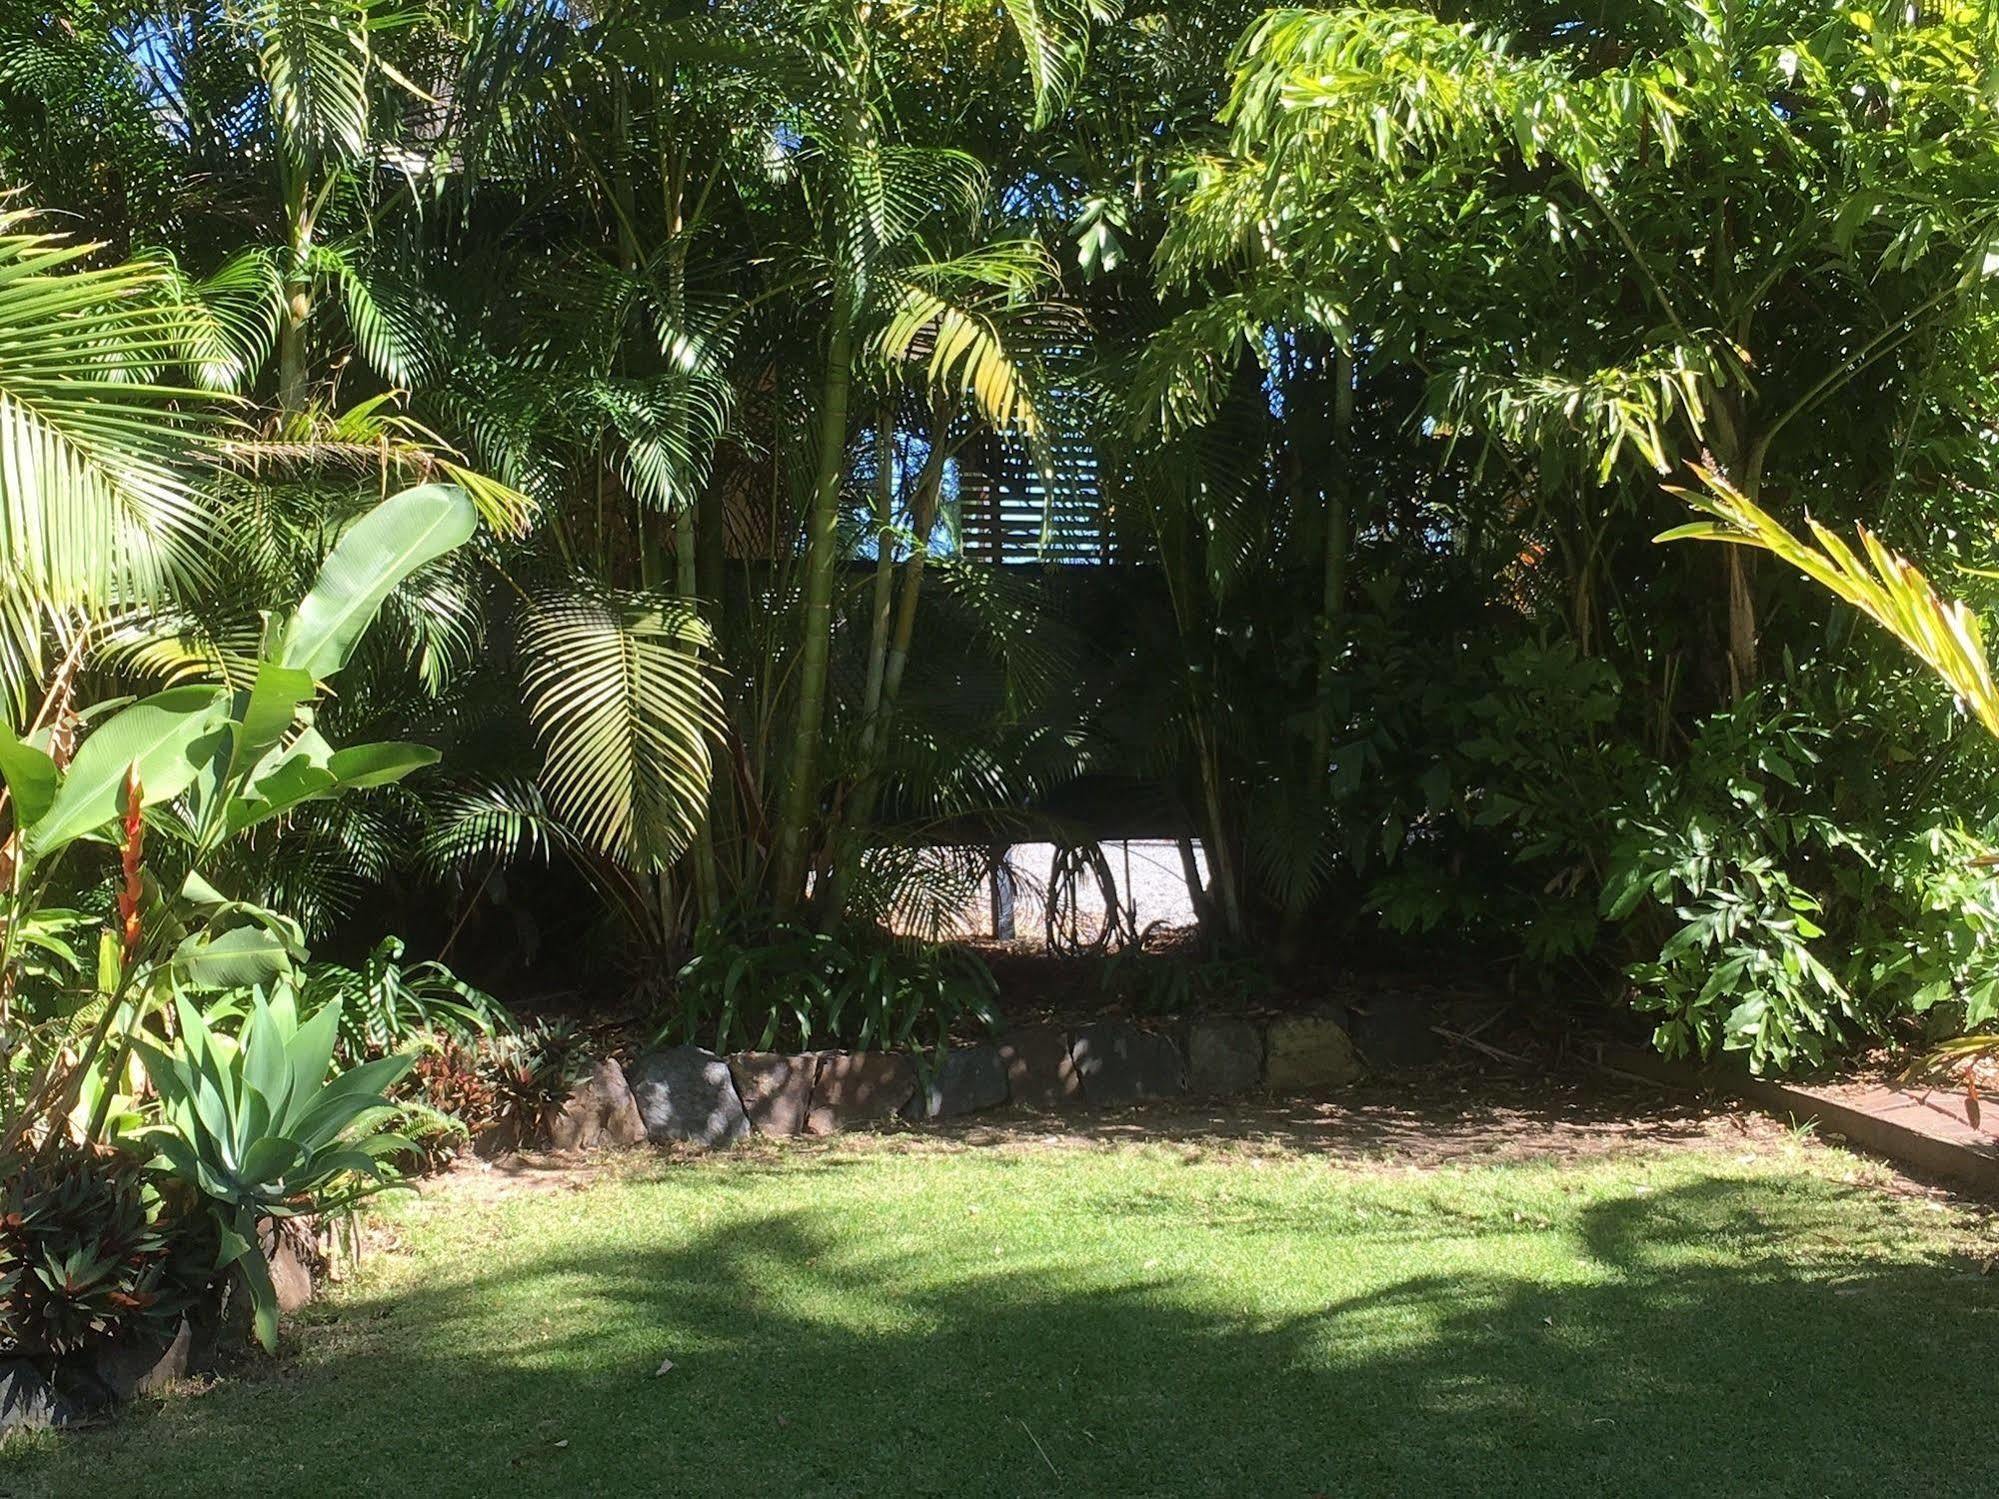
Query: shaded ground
[(1482, 1116), (1532, 1297)]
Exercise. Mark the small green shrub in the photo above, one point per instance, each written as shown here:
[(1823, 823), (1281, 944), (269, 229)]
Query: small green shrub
[(1172, 983), (1799, 886), (387, 1005), (794, 987)]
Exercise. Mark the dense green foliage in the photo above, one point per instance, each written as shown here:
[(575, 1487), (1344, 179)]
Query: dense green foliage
[(1352, 356)]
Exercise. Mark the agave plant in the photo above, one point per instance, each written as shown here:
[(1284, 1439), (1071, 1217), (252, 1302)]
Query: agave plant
[(262, 1128)]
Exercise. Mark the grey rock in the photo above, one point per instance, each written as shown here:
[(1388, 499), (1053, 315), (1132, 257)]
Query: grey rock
[(776, 1090), (859, 1087), (1304, 1053), (1224, 1057), (1119, 1063), (964, 1080), (131, 1369), (29, 1402), (1040, 1072), (685, 1093), (600, 1111)]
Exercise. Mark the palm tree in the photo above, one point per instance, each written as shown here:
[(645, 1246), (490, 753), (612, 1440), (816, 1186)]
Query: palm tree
[(99, 516)]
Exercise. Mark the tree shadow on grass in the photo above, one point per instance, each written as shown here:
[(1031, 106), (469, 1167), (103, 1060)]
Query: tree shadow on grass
[(1730, 1337)]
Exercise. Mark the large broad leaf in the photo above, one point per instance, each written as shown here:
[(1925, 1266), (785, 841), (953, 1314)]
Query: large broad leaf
[(365, 765), (30, 776), (297, 780), (168, 737), (377, 552), (260, 715), (240, 958), (264, 712)]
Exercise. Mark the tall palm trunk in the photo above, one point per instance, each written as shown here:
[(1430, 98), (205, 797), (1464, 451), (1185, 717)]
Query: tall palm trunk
[(889, 643), (707, 881), (1732, 458), (296, 308), (884, 591), (923, 516), (801, 787), (1335, 545)]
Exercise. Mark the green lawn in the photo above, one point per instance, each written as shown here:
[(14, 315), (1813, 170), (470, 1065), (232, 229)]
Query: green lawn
[(893, 1318)]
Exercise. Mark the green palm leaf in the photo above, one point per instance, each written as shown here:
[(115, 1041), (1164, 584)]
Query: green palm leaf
[(315, 59), (625, 710), (94, 511)]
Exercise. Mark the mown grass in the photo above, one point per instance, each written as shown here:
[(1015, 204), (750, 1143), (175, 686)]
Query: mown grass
[(1136, 1320)]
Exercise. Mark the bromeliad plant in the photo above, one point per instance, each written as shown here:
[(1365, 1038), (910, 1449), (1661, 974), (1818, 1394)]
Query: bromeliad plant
[(85, 1254), (264, 1128)]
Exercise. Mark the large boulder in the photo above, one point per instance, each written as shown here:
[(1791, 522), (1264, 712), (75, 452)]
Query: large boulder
[(964, 1080), (1305, 1053), (599, 1111), (859, 1087), (1118, 1063), (1224, 1057), (685, 1095), (1040, 1072), (127, 1369), (776, 1090)]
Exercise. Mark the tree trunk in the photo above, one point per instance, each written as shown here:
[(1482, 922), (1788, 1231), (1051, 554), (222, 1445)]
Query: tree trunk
[(297, 299), (801, 789), (707, 883)]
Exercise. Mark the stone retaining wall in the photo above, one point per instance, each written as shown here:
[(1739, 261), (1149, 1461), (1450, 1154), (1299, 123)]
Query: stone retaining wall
[(688, 1095)]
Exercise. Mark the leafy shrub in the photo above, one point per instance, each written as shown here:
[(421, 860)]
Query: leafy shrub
[(88, 1254), (795, 987), (528, 1075), (1173, 983), (386, 1005), (1791, 890), (1481, 796)]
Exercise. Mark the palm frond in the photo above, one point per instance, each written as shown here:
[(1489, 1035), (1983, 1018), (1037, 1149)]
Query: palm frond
[(626, 711), (1883, 585), (315, 57), (96, 513)]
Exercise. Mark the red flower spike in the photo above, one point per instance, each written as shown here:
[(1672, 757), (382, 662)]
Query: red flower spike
[(132, 849)]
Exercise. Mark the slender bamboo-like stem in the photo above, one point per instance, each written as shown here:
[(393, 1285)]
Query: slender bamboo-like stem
[(923, 503), (296, 310), (801, 789), (884, 584), (707, 881)]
